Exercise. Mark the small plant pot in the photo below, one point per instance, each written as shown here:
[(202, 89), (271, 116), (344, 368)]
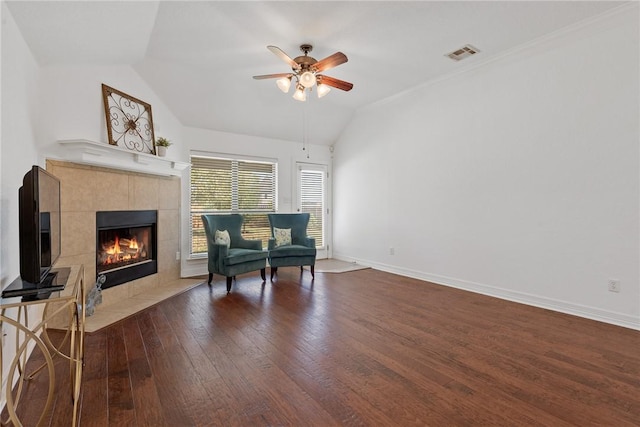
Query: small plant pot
[(162, 151)]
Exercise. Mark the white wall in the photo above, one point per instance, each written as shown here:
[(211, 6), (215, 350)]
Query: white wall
[(72, 106), (18, 152), (285, 153), (519, 178), (18, 146)]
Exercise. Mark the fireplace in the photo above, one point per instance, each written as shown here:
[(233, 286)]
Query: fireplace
[(126, 245)]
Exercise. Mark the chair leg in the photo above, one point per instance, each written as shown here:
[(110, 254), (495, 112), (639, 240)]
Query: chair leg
[(263, 274), (274, 270), (210, 278), (301, 268), (313, 272), (229, 284)]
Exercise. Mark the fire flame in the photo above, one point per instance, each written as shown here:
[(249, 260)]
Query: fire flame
[(115, 249), (122, 250)]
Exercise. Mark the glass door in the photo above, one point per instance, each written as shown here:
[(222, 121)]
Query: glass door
[(312, 198)]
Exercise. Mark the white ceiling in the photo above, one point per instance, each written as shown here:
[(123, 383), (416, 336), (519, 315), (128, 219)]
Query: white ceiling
[(199, 57)]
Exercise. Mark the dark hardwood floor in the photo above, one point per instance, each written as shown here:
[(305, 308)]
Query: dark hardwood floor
[(359, 348)]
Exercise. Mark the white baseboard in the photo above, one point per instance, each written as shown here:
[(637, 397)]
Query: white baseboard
[(587, 312), (193, 268)]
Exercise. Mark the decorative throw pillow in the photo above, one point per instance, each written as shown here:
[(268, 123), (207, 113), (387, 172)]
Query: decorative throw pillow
[(223, 238), (282, 236)]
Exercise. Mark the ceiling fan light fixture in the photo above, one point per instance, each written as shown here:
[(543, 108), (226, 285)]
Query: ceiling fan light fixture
[(323, 90), (307, 79), (307, 72), (284, 84), (300, 94)]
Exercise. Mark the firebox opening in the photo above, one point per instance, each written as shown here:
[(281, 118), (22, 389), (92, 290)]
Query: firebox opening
[(123, 246), (126, 245)]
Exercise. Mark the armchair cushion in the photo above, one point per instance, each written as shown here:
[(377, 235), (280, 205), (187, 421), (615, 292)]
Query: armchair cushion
[(240, 256), (282, 236), (292, 251), (222, 238)]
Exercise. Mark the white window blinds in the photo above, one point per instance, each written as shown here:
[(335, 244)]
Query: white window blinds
[(221, 185), (312, 202)]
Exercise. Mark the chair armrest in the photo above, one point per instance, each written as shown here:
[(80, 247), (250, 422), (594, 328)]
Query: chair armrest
[(217, 253), (272, 244), (310, 242)]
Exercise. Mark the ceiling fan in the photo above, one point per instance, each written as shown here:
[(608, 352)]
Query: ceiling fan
[(306, 71)]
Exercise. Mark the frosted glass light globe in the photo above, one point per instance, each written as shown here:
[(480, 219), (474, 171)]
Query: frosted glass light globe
[(307, 79)]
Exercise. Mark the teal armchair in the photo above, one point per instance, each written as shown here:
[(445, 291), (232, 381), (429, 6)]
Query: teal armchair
[(240, 256), (299, 251)]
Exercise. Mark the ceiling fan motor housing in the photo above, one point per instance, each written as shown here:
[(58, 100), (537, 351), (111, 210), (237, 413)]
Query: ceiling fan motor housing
[(305, 74)]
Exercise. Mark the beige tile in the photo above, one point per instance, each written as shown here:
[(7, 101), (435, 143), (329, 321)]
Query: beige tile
[(77, 190), (168, 225), (112, 191), (169, 193), (167, 256), (143, 192), (170, 273), (52, 166), (78, 233), (87, 260), (143, 285), (115, 295), (90, 273)]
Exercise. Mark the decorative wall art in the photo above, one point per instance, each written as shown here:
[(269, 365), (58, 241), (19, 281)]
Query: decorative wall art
[(129, 121)]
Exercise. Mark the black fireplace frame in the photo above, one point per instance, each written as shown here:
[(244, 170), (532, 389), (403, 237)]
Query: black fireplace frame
[(106, 220)]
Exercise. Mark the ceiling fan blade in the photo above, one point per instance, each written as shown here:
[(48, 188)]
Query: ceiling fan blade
[(330, 62), (272, 76), (280, 54), (333, 82)]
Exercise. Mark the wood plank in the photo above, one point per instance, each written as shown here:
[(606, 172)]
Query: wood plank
[(120, 395), (94, 409), (146, 401)]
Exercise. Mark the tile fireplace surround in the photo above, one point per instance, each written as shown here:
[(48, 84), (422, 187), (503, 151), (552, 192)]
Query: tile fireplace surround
[(88, 189)]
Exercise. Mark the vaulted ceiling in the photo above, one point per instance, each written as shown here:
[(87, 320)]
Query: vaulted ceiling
[(199, 57)]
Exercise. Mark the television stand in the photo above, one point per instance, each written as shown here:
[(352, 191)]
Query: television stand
[(68, 305), (50, 281), (34, 291)]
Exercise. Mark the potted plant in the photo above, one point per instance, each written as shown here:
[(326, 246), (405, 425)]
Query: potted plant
[(161, 144)]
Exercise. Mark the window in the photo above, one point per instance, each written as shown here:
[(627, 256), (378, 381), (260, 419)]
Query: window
[(223, 186)]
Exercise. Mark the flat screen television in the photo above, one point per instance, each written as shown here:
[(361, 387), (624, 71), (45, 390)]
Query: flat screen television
[(39, 222)]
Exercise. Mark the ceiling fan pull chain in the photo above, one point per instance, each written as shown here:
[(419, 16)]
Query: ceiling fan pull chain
[(306, 113), (304, 127)]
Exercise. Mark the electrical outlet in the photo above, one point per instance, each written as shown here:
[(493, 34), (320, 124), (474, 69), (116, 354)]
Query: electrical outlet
[(178, 256), (613, 285), (392, 251)]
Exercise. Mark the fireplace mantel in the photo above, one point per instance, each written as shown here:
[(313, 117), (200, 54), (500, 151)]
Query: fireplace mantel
[(100, 154)]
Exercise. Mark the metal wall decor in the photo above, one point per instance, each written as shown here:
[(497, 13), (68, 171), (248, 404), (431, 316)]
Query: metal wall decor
[(129, 121)]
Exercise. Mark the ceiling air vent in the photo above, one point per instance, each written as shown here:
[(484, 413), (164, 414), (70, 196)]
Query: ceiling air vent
[(464, 52)]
